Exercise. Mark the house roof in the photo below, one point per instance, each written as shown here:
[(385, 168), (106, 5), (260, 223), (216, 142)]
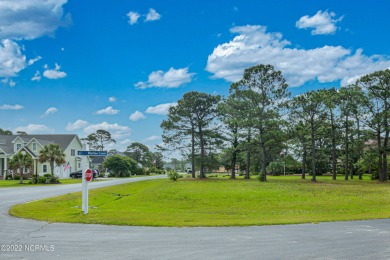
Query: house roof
[(6, 141), (97, 159)]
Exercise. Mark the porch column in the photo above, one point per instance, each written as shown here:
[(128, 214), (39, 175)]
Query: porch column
[(35, 172), (5, 168)]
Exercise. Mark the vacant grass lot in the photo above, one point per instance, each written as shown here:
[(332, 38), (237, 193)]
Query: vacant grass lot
[(219, 202)]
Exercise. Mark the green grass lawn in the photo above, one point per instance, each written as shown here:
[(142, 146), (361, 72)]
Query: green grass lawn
[(219, 202), (15, 183)]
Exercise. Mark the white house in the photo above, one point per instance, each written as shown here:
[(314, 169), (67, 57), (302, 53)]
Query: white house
[(32, 144)]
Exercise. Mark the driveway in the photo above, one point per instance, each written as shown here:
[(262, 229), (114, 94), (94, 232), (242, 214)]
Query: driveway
[(28, 239)]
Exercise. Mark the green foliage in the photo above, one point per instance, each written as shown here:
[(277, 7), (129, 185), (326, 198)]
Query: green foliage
[(98, 140), (41, 179), (20, 162), (120, 166), (53, 180), (275, 168), (190, 124), (172, 175), (52, 153), (140, 153), (19, 177), (260, 97), (154, 170), (5, 132)]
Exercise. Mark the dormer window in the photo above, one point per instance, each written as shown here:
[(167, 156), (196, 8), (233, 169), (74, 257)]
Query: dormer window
[(18, 146), (34, 147)]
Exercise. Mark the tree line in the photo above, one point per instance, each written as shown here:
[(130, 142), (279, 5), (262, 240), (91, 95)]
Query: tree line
[(259, 128), (136, 159)]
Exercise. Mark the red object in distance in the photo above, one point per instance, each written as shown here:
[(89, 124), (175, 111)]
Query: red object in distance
[(88, 175)]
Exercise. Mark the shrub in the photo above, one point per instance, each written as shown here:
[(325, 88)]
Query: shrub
[(172, 175), (52, 180), (47, 175), (41, 179), (18, 177), (8, 177)]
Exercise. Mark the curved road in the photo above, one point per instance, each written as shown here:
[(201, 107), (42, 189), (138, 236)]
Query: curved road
[(28, 239)]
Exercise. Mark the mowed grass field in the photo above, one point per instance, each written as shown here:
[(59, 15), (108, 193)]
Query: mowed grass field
[(219, 202)]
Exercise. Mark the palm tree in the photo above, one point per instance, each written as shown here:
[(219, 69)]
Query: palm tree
[(21, 161), (52, 153)]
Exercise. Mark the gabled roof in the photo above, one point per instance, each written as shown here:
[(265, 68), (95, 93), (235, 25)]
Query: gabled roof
[(98, 159), (6, 141), (25, 148)]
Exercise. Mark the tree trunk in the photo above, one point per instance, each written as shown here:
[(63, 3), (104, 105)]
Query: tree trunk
[(359, 146), (234, 159), (248, 156), (346, 149), (52, 167), (304, 162), (263, 176), (202, 174), (351, 167), (380, 152), (334, 160), (313, 152), (234, 155), (385, 146), (386, 139), (193, 152), (21, 175)]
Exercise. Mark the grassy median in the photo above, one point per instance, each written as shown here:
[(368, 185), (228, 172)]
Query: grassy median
[(219, 202)]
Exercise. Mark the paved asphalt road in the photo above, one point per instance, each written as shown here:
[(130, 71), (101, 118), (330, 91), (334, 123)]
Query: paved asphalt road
[(27, 239)]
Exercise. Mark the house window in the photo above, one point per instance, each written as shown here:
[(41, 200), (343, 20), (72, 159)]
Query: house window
[(79, 166), (72, 152), (34, 146), (44, 168), (18, 146)]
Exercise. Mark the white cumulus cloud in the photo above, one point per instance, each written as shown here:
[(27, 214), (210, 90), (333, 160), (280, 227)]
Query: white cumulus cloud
[(137, 115), (11, 107), (152, 15), (253, 46), (54, 73), (321, 22), (50, 111), (35, 129), (117, 131), (30, 19), (173, 78), (112, 99), (133, 17), (161, 109), (107, 111), (37, 76), (78, 124), (11, 58)]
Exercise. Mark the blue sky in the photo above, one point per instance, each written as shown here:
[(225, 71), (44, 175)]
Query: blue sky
[(78, 66)]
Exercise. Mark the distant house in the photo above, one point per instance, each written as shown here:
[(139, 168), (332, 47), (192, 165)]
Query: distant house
[(32, 144), (97, 162)]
